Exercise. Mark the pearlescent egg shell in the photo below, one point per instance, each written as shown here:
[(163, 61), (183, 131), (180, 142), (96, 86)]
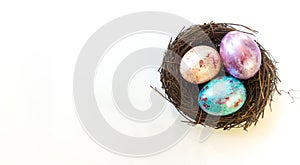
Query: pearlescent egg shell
[(200, 64), (222, 96), (240, 55)]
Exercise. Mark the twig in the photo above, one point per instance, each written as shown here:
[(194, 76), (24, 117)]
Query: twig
[(290, 94)]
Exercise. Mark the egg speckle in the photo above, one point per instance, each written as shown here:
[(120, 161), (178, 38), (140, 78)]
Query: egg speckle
[(200, 64), (222, 96)]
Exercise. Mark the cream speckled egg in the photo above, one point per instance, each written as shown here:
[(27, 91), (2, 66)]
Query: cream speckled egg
[(200, 64)]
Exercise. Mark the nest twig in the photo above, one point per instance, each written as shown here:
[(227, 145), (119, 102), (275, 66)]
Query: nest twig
[(183, 95)]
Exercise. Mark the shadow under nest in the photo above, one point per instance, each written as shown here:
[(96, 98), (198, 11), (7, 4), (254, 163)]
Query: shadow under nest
[(183, 95)]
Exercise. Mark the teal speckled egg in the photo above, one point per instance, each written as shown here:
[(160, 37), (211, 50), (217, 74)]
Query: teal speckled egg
[(222, 96)]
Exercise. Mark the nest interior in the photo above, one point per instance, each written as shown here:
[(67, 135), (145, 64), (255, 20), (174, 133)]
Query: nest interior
[(183, 95)]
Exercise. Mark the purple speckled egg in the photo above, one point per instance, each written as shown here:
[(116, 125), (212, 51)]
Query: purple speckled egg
[(240, 55), (200, 64)]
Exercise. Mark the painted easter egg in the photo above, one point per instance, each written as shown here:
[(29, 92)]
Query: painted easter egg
[(240, 55), (200, 64), (222, 96)]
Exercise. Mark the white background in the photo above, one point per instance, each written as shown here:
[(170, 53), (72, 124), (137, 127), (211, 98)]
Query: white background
[(40, 43)]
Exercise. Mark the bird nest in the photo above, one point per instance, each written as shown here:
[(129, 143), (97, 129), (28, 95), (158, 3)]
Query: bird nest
[(184, 95)]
